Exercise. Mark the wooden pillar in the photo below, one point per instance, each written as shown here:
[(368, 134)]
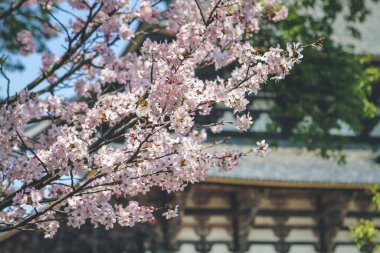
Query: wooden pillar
[(332, 208), (201, 197), (280, 230), (245, 204), (167, 230), (202, 229)]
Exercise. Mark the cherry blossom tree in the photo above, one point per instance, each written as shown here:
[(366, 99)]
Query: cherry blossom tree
[(72, 172)]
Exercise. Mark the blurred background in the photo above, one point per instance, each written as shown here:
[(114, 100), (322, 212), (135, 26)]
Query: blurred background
[(316, 192)]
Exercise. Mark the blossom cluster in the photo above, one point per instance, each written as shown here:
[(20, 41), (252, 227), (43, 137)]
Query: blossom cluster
[(25, 38), (147, 102)]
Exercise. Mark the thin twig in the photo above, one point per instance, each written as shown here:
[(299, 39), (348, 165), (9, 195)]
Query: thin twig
[(13, 8), (200, 10), (32, 151), (3, 59)]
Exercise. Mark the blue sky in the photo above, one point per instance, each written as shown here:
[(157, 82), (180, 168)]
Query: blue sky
[(33, 64), (368, 43)]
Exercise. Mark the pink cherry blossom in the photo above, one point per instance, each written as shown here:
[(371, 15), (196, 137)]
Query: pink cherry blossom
[(132, 125), (171, 213), (47, 60), (262, 149), (281, 14), (243, 123), (25, 38)]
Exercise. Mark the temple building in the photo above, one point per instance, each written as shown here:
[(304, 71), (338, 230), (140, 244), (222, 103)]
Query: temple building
[(290, 202)]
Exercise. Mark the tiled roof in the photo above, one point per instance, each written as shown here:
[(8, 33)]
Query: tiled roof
[(296, 165)]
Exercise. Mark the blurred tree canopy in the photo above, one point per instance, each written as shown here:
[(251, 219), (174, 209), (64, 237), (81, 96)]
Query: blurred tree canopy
[(332, 85), (14, 17)]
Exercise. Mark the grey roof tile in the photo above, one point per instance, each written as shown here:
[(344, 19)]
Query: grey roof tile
[(290, 164)]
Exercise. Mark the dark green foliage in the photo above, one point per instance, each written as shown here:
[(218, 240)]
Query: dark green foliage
[(332, 85), (29, 18)]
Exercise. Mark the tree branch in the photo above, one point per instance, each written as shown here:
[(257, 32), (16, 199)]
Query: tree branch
[(15, 6)]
